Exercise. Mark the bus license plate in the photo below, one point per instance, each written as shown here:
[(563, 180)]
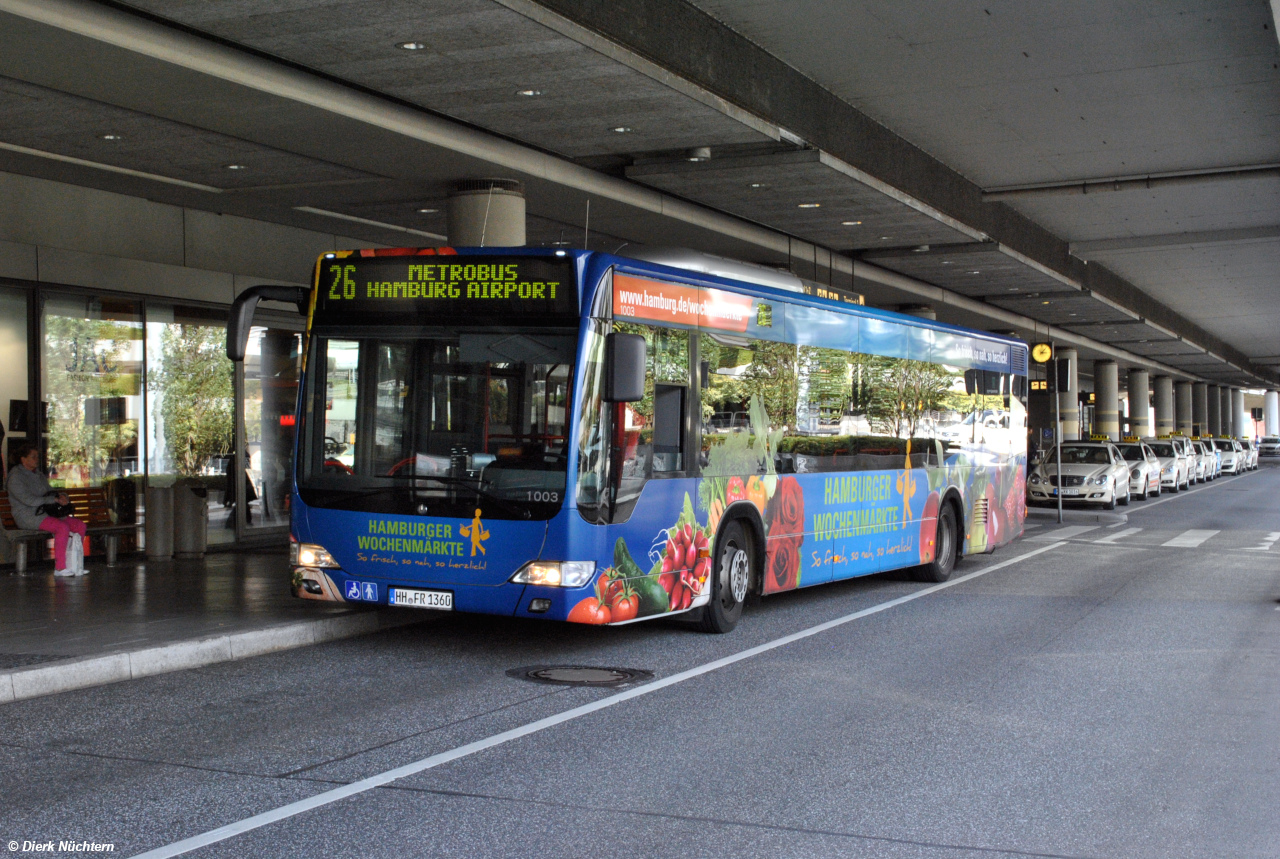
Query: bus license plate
[(442, 600)]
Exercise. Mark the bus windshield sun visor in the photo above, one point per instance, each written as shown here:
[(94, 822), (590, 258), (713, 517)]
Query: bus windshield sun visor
[(247, 302)]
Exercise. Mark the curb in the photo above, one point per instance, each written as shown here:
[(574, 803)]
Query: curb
[(1102, 517), (83, 672)]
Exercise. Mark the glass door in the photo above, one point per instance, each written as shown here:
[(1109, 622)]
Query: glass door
[(262, 462)]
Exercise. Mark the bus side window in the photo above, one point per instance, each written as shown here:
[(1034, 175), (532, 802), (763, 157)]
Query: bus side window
[(668, 428)]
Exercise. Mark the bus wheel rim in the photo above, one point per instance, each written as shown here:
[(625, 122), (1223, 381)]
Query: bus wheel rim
[(739, 574)]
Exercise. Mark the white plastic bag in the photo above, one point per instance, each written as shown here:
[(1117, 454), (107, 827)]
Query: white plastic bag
[(75, 554)]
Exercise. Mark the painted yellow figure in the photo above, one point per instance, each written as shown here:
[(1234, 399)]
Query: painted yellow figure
[(907, 485), (477, 533)]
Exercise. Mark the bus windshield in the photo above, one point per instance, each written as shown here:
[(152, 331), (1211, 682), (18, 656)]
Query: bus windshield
[(439, 423)]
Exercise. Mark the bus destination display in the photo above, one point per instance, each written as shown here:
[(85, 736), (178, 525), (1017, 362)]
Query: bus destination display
[(416, 289)]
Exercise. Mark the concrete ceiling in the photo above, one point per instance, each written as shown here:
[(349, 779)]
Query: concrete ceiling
[(928, 134)]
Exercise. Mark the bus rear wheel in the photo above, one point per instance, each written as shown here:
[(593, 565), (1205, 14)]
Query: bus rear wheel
[(946, 543), (730, 578)]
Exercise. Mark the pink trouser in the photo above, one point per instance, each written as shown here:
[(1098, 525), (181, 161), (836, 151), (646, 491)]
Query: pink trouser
[(61, 529)]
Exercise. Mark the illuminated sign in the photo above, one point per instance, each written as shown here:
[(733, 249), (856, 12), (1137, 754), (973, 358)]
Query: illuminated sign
[(654, 301), (424, 289), (1039, 385)]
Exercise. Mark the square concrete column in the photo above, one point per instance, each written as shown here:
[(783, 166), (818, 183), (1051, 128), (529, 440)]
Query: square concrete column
[(1106, 399), (1215, 411), (1069, 400), (1199, 408), (1164, 404), (1224, 397), (1139, 403), (1271, 409), (1239, 426), (1182, 407)]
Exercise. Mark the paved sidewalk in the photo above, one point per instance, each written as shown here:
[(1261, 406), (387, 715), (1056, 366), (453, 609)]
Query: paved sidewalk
[(146, 617), (1074, 516)]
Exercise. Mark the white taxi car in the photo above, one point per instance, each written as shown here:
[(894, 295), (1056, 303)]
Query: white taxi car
[(1251, 452), (1269, 446), (1144, 468), (1183, 445), (1232, 455), (1092, 472), (1173, 468), (1207, 458)]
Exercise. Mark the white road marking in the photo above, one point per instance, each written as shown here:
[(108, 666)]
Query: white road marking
[(1117, 525), (1111, 538), (1190, 539), (328, 797), (1029, 527), (1065, 533), (1266, 544)]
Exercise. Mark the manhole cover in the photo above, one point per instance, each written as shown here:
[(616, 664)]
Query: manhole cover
[(579, 675)]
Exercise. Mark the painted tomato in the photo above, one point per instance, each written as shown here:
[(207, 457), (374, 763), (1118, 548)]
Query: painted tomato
[(625, 607), (590, 610), (929, 529)]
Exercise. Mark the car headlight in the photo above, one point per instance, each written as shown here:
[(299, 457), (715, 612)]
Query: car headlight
[(1134, 473), (1099, 481), (557, 574), (1035, 480), (1168, 469), (310, 555)]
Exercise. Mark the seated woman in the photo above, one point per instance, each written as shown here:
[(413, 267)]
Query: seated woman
[(29, 492)]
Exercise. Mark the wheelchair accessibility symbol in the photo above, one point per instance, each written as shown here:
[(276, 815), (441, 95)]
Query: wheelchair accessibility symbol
[(353, 590)]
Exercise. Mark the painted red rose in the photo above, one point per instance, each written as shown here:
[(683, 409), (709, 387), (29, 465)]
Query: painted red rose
[(783, 565), (786, 509)]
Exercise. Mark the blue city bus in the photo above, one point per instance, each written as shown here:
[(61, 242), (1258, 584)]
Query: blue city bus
[(581, 436)]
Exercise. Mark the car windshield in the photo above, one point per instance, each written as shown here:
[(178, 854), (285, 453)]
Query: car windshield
[(436, 422), (1222, 445), (1131, 453), (1271, 439), (1080, 455), (1163, 449)]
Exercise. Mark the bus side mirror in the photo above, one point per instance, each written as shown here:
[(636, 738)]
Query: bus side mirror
[(624, 361), (244, 305)]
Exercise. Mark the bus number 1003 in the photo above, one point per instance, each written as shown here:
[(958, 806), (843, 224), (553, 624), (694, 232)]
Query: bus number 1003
[(343, 285), (549, 497)]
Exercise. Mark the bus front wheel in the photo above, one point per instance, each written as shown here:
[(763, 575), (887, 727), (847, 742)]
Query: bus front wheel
[(730, 578), (946, 543)]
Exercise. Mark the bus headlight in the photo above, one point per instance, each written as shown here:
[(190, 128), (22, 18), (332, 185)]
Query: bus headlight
[(559, 574), (311, 555)]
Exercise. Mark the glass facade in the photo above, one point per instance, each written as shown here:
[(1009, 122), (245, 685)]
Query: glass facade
[(139, 391)]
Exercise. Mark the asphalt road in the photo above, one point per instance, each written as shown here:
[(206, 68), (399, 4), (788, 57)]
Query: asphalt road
[(1108, 695)]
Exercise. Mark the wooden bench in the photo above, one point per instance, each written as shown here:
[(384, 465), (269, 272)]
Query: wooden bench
[(91, 508)]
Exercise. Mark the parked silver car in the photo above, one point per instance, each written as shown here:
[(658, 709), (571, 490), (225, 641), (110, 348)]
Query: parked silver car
[(1269, 446), (1173, 467), (1232, 455), (1091, 471), (1144, 469)]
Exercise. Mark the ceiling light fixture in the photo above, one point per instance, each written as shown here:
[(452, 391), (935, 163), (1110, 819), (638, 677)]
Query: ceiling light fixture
[(109, 137), (809, 205), (698, 153), (427, 211), (975, 272), (529, 93), (411, 46), (885, 238), (1044, 302), (237, 167), (851, 223), (757, 185), (622, 129)]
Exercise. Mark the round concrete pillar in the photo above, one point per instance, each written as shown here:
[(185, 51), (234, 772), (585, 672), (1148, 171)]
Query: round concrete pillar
[(1106, 399), (1164, 404), (1182, 407), (486, 213), (1199, 408), (1215, 411), (1271, 409), (1069, 400), (1224, 397), (1139, 403), (924, 311), (1239, 425)]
